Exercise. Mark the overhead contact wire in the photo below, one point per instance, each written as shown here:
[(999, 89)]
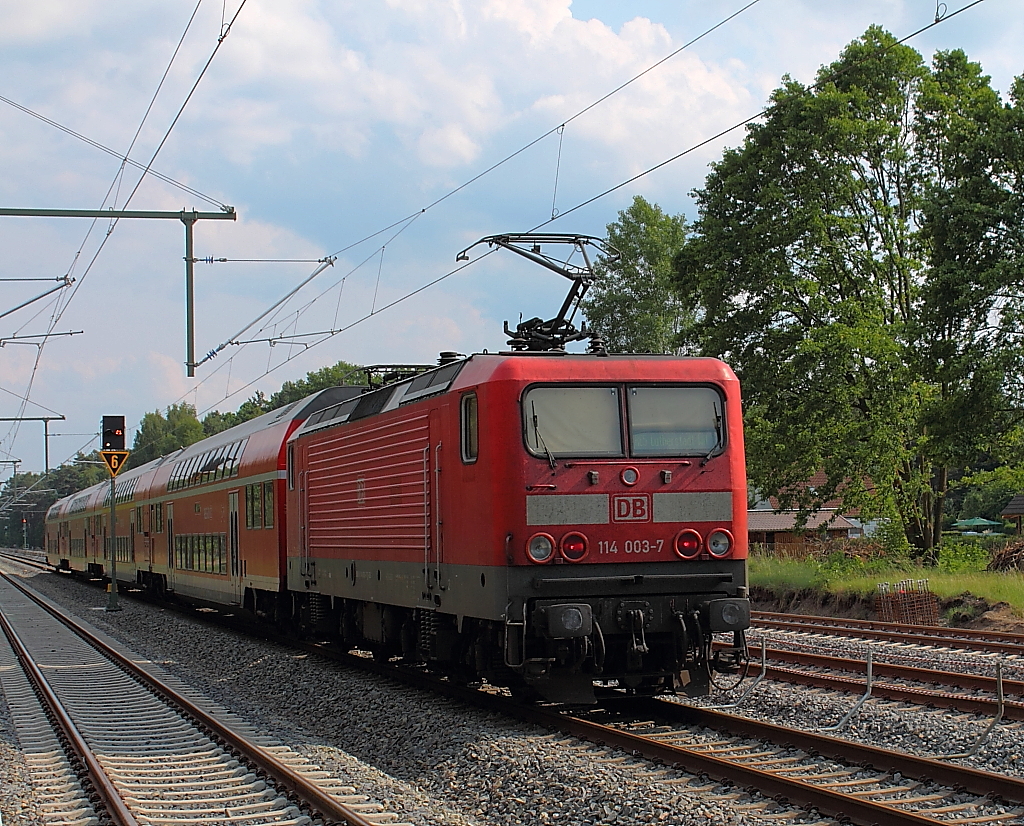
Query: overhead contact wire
[(747, 120)]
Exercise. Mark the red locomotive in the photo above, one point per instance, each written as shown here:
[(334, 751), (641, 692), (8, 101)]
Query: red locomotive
[(542, 520)]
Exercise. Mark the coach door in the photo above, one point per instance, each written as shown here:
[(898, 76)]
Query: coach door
[(170, 545), (234, 566)]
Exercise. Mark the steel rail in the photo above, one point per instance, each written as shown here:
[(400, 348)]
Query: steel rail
[(115, 806), (991, 641), (955, 679), (879, 625), (322, 804), (903, 694), (909, 765), (808, 795), (24, 560), (855, 809)]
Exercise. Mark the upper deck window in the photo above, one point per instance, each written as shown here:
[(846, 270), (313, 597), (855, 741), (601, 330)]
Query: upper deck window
[(675, 421), (573, 421)]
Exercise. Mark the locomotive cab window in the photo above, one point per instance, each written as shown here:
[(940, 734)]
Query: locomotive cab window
[(572, 421), (470, 428), (675, 421)]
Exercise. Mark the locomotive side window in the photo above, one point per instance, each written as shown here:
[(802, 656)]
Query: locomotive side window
[(470, 428), (675, 421), (572, 421)]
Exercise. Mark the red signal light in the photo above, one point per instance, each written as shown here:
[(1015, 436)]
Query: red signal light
[(688, 543), (574, 546)]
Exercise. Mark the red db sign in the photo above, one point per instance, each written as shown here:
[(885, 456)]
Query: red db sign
[(635, 507)]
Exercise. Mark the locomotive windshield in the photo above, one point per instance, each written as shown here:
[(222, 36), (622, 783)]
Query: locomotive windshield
[(573, 421), (587, 421), (674, 421)]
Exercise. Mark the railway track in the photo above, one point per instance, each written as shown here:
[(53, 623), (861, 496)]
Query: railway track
[(859, 783), (906, 683), (138, 747), (925, 635), (30, 558)]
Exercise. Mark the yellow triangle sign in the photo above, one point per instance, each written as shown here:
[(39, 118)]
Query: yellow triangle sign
[(114, 460)]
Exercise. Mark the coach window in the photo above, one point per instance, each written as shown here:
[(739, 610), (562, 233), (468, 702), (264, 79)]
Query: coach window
[(572, 421), (268, 504), (291, 467), (470, 428)]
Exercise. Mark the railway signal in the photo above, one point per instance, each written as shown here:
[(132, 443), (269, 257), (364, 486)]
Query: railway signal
[(114, 455), (113, 433)]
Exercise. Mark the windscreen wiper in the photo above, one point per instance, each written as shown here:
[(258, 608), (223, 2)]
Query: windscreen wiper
[(719, 439), (540, 439)]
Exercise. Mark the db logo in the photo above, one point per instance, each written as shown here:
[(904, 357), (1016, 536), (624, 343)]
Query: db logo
[(633, 508)]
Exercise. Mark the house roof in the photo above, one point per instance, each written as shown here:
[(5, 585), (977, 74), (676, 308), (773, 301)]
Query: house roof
[(819, 479), (786, 521), (1015, 507)]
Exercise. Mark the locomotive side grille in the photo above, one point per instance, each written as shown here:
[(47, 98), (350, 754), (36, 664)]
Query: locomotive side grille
[(367, 488)]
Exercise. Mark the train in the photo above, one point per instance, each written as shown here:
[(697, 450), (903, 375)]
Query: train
[(563, 524)]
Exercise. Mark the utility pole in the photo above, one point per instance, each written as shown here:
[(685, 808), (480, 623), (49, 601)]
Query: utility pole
[(46, 431), (14, 485), (187, 218)]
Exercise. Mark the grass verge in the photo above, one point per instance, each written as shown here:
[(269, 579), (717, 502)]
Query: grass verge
[(783, 574)]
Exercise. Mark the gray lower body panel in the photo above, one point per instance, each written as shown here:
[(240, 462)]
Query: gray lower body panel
[(487, 591)]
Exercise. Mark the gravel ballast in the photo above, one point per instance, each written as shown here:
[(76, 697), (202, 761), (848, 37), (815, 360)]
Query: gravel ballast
[(434, 762)]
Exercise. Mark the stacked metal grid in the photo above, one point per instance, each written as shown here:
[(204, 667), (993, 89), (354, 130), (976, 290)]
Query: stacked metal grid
[(909, 602)]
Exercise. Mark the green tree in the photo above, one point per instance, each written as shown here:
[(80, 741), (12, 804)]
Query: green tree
[(159, 435), (24, 500), (828, 266), (331, 376), (632, 304), (291, 391), (81, 472)]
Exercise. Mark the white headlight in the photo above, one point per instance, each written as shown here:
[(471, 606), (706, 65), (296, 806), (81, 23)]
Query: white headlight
[(719, 543), (540, 548)]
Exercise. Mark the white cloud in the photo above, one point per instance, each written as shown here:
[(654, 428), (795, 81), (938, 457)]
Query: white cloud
[(324, 121)]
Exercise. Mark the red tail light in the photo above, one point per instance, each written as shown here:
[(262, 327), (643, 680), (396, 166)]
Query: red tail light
[(688, 543), (574, 547)]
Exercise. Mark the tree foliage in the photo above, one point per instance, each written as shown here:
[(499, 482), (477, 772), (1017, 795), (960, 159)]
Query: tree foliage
[(160, 433), (850, 260), (291, 391), (632, 304), (28, 496)]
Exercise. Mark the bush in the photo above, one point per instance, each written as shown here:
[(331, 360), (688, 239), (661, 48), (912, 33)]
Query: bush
[(894, 539), (957, 557)]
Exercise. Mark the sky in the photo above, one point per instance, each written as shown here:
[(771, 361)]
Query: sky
[(324, 122)]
